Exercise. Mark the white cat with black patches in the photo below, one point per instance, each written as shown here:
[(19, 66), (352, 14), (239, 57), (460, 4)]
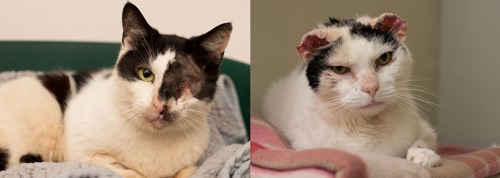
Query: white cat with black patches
[(147, 117), (353, 92)]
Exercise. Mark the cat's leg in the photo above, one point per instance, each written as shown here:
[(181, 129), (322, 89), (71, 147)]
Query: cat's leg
[(186, 172), (422, 151)]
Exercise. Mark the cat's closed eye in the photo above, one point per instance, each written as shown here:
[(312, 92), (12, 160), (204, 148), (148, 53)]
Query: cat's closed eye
[(145, 74)]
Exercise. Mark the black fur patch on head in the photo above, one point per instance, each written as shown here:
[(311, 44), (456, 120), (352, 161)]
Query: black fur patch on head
[(209, 59), (180, 75), (367, 32), (209, 71), (128, 65), (318, 64), (4, 158), (364, 31), (143, 52), (58, 84), (30, 158), (197, 59), (142, 41), (192, 70), (81, 78)]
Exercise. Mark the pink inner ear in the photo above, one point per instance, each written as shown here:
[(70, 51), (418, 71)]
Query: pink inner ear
[(309, 44), (391, 22)]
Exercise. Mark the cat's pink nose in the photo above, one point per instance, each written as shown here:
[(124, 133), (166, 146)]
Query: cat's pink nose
[(371, 88), (159, 106)]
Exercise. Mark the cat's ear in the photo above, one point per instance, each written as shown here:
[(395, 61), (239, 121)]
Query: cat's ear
[(310, 43), (215, 41), (391, 22), (135, 26)]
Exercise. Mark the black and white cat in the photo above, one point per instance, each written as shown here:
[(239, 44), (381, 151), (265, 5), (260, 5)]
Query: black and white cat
[(146, 117), (353, 92)]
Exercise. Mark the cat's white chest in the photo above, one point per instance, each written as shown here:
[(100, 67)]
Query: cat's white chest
[(291, 107), (393, 136), (94, 126), (162, 155), (379, 139)]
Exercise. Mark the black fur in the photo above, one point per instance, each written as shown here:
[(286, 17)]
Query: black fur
[(181, 72), (4, 158), (141, 53), (207, 61), (195, 66), (318, 63), (81, 78), (58, 84), (30, 158), (367, 32), (141, 38)]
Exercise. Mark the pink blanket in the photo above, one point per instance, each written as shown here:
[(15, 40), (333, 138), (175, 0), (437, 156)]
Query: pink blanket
[(271, 156)]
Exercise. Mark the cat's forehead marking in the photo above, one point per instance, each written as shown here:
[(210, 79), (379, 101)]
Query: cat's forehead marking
[(160, 64), (352, 43)]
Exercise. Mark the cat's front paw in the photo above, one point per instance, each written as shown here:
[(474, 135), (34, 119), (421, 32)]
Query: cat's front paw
[(423, 156)]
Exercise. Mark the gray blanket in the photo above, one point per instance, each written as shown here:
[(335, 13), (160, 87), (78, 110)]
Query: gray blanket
[(228, 154)]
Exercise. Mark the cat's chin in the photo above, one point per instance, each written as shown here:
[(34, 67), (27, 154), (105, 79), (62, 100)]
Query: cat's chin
[(159, 124), (161, 121), (372, 108)]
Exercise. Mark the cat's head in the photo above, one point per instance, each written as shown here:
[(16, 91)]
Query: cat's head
[(164, 80), (357, 65)]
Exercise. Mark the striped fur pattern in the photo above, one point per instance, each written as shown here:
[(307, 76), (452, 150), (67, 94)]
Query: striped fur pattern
[(146, 117), (352, 92)]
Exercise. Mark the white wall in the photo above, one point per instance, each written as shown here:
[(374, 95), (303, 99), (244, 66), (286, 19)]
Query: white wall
[(469, 82), (100, 20)]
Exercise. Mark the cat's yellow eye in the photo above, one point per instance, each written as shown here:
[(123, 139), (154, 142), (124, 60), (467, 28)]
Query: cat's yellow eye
[(146, 74), (340, 69), (384, 59)]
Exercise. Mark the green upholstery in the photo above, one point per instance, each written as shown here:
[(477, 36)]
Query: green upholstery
[(46, 56)]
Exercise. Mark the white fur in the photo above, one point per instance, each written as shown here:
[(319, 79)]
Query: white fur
[(30, 112), (119, 123), (106, 125), (160, 64), (340, 115)]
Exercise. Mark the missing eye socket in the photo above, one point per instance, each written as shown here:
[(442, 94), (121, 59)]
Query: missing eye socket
[(145, 74), (340, 69), (384, 59)]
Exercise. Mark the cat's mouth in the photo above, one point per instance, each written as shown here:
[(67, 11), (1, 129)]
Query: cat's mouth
[(374, 105), (170, 112), (161, 120)]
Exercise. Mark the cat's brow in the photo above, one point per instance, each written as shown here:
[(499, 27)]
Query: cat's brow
[(340, 63)]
